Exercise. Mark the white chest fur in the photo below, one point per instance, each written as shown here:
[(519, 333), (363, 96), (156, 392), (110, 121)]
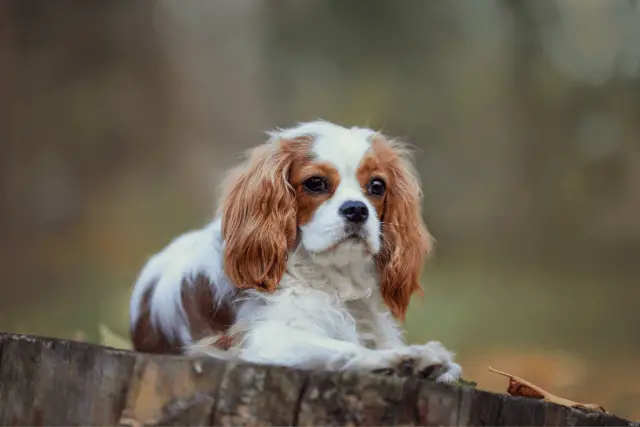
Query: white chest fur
[(334, 295)]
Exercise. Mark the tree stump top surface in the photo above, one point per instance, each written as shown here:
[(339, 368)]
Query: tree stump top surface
[(50, 382)]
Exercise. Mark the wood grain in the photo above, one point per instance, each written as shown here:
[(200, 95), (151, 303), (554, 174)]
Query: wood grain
[(53, 382)]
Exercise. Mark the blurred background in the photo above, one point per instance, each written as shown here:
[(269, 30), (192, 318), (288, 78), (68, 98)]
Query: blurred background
[(118, 119)]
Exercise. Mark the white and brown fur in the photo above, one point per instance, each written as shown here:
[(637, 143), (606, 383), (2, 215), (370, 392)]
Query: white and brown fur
[(283, 276)]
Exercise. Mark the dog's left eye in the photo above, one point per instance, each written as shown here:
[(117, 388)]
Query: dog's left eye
[(316, 184), (376, 187)]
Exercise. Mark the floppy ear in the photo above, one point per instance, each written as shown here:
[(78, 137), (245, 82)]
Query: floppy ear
[(405, 238), (259, 218)]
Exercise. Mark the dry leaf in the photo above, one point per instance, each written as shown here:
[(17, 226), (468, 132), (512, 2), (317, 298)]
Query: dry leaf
[(520, 387)]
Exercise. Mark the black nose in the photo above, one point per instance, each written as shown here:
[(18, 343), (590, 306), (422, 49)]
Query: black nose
[(354, 211)]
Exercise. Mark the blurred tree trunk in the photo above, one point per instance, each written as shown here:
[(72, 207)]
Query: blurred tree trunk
[(564, 201), (84, 86), (538, 132), (219, 73)]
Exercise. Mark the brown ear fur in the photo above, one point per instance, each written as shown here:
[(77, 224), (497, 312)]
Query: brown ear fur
[(405, 238), (259, 217)]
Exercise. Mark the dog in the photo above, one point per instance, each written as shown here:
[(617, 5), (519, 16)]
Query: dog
[(310, 262)]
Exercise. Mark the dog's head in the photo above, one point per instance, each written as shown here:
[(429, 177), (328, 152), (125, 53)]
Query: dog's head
[(321, 186)]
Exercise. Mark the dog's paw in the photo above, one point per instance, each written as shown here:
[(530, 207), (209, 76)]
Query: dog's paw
[(403, 367), (435, 362), (430, 360)]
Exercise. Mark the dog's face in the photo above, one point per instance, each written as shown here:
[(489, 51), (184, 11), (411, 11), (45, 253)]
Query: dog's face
[(340, 191), (320, 185)]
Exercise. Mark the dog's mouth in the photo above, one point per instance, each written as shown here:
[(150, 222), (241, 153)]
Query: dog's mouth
[(354, 236), (348, 240), (350, 237), (351, 242), (352, 233), (354, 230)]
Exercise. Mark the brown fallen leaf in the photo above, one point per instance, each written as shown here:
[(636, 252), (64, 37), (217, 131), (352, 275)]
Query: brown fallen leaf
[(520, 387)]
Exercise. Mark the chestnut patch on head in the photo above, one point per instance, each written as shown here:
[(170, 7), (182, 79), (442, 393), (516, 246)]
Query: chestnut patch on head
[(375, 174), (314, 184), (260, 213), (388, 180)]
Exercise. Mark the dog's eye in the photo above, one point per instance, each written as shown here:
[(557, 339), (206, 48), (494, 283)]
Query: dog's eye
[(376, 187), (316, 184)]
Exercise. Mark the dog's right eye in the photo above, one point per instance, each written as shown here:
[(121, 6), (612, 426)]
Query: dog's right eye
[(316, 184)]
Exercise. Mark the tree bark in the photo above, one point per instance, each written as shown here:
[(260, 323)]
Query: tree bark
[(52, 382)]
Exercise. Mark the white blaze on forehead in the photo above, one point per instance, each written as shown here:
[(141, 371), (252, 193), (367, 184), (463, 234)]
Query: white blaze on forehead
[(343, 149), (339, 146)]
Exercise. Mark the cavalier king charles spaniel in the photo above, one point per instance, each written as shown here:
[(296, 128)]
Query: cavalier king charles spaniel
[(311, 260)]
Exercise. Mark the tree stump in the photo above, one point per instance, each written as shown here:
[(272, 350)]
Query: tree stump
[(56, 382)]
